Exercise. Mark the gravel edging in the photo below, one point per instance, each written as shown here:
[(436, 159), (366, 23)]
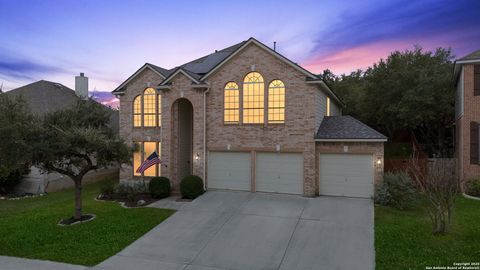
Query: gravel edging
[(471, 197)]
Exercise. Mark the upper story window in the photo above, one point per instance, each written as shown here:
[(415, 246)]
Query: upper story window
[(276, 102), (328, 110), (231, 111), (137, 111), (147, 109), (253, 98)]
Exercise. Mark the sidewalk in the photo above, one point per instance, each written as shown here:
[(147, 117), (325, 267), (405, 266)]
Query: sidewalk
[(13, 263)]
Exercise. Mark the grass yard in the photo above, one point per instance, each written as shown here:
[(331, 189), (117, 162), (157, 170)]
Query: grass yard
[(403, 239), (28, 227)]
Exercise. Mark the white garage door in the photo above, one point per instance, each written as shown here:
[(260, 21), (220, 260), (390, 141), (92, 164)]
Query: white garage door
[(346, 175), (279, 172), (229, 170)]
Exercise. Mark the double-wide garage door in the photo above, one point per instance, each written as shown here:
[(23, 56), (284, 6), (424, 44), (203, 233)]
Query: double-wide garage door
[(274, 172), (348, 175)]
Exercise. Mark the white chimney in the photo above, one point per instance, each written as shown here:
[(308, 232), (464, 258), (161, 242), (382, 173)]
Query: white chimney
[(81, 86)]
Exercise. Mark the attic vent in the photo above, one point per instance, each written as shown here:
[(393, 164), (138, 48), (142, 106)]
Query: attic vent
[(58, 85)]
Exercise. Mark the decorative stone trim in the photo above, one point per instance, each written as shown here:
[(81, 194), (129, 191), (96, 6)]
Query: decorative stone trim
[(471, 197)]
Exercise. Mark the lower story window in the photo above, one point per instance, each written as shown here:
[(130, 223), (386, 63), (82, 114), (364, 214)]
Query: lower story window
[(144, 150)]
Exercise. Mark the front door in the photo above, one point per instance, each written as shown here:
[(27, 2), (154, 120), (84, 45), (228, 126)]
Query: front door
[(185, 138)]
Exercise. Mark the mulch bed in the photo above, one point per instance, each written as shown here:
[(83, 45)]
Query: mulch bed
[(129, 202), (72, 220)]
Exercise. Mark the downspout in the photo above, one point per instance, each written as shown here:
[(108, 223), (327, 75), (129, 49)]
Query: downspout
[(205, 134)]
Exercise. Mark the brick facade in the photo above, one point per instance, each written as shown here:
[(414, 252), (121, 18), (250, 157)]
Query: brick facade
[(471, 112), (295, 135)]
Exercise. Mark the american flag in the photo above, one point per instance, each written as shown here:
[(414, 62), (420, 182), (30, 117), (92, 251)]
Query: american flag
[(149, 162)]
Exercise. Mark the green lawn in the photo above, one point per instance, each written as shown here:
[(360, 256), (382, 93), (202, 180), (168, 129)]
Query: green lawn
[(28, 228), (403, 239)]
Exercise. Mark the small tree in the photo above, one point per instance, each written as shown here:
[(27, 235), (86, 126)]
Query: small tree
[(440, 188), (77, 140), (15, 133)]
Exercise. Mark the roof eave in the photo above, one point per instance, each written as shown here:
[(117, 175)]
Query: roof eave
[(142, 68)]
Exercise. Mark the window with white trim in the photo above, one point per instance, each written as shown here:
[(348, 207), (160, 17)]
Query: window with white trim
[(276, 102), (253, 99)]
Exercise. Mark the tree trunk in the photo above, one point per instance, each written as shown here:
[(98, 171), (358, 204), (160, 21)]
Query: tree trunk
[(78, 199)]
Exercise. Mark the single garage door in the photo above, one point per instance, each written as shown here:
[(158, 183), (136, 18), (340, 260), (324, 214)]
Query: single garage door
[(229, 170), (346, 175), (279, 172)]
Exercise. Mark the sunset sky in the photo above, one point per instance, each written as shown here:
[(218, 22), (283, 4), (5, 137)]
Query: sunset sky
[(110, 39)]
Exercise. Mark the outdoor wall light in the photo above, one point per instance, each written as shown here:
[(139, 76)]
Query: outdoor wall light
[(379, 161), (197, 156)]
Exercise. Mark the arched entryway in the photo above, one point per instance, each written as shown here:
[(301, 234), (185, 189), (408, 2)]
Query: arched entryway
[(182, 143)]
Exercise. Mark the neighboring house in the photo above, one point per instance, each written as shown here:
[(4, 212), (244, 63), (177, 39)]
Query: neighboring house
[(43, 97), (467, 116), (247, 118)]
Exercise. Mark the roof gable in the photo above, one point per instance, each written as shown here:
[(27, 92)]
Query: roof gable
[(266, 48), (192, 76), (158, 70)]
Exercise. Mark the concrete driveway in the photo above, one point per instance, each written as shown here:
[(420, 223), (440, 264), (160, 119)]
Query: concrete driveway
[(253, 231)]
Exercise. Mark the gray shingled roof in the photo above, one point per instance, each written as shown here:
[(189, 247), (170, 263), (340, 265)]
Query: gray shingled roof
[(204, 64), (163, 71), (472, 56), (44, 96), (346, 127)]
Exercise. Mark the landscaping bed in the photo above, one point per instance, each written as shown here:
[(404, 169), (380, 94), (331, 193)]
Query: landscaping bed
[(137, 200), (403, 238), (29, 228)]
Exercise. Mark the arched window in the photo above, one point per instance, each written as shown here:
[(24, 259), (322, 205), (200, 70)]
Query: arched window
[(149, 107), (231, 113), (276, 102), (137, 111), (253, 98)]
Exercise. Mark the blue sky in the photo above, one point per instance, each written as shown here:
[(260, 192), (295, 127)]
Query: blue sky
[(108, 40)]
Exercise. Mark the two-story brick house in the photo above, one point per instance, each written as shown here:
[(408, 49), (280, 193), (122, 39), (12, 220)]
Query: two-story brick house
[(247, 118), (467, 116)]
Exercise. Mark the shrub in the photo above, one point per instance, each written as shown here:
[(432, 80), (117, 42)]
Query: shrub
[(8, 183), (191, 187), (473, 187), (159, 187), (107, 187), (440, 187), (396, 190), (129, 189)]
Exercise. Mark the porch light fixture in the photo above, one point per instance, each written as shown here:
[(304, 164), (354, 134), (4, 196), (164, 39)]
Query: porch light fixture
[(197, 156), (379, 161)]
